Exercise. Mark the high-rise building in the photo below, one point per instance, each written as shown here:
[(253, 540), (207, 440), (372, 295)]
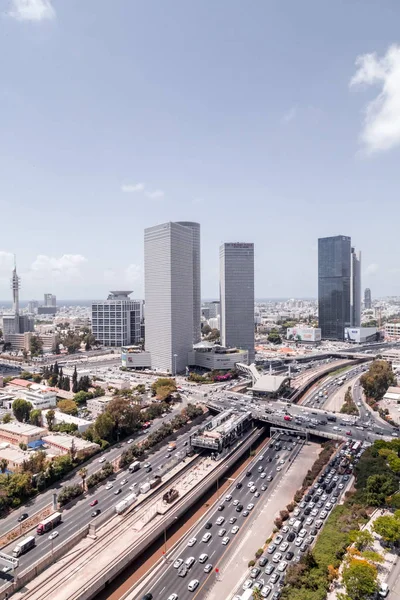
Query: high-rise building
[(169, 295), (334, 286), (33, 305), (367, 298), (116, 321), (195, 227), (355, 289), (50, 300), (237, 296)]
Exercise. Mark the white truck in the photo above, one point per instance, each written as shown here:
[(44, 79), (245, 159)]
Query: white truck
[(125, 503), (144, 487), (297, 526), (24, 546), (135, 466), (247, 595)]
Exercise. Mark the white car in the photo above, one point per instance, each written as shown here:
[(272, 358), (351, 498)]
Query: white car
[(232, 520), (314, 512), (250, 484), (236, 502), (178, 563), (310, 521), (228, 498), (109, 486), (124, 482), (284, 546), (102, 459), (323, 514), (193, 585), (220, 521), (203, 557), (277, 557), (225, 541), (296, 512), (253, 489), (250, 506), (221, 532), (206, 538), (53, 535), (285, 529), (247, 584), (340, 486), (192, 542), (263, 475), (278, 468), (298, 541), (130, 441), (235, 529), (303, 533), (282, 566)]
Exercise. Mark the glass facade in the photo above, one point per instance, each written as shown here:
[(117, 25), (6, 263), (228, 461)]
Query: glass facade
[(334, 284)]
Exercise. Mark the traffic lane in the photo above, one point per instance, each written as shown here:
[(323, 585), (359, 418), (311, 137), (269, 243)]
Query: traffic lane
[(214, 548)]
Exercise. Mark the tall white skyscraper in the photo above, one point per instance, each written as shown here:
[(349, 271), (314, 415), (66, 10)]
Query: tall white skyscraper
[(237, 296), (195, 227), (355, 289), (169, 294)]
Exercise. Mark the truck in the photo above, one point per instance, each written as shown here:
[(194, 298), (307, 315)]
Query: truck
[(24, 546), (135, 466), (155, 481), (125, 503), (49, 523), (171, 446), (144, 487), (297, 526), (170, 495), (247, 595)]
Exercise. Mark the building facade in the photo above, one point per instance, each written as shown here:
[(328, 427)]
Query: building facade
[(367, 299), (355, 289), (116, 321), (169, 294), (334, 284), (97, 406), (237, 296), (195, 227), (17, 433), (50, 300), (392, 331)]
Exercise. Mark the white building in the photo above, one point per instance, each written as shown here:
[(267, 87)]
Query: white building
[(39, 396), (212, 357), (116, 321), (215, 322), (361, 335), (96, 406), (169, 294), (392, 330), (237, 296), (60, 417), (195, 227), (355, 289)]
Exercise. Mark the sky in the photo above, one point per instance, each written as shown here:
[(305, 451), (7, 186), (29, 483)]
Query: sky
[(271, 121)]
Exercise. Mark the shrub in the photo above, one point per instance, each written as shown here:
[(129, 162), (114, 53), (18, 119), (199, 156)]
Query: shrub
[(259, 552), (290, 506), (68, 493), (251, 563), (278, 522)]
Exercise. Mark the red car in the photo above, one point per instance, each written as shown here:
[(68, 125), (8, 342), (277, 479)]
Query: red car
[(348, 432), (94, 502)]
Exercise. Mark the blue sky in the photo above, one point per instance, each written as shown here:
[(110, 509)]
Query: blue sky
[(276, 122)]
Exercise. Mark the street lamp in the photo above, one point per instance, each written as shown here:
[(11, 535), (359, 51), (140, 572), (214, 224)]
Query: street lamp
[(175, 357)]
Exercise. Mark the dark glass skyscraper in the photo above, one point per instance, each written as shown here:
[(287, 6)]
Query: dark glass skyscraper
[(334, 284)]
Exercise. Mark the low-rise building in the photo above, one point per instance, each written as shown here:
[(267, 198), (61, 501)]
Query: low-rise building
[(17, 433), (60, 417), (96, 406), (15, 457), (40, 396), (21, 341), (60, 443), (216, 358), (361, 335)]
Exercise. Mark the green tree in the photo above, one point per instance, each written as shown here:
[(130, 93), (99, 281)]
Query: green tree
[(83, 474), (360, 580), (75, 381), (21, 409), (274, 337), (206, 329), (124, 413), (69, 407), (50, 418), (362, 539), (7, 418), (66, 384), (36, 346), (104, 426), (388, 527), (35, 417), (377, 379), (3, 465), (257, 594)]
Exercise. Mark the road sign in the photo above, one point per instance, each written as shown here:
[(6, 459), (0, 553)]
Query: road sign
[(9, 559)]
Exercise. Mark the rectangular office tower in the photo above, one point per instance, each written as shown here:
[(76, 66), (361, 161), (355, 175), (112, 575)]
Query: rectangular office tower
[(334, 286), (355, 290), (195, 227), (169, 294), (237, 296), (116, 321)]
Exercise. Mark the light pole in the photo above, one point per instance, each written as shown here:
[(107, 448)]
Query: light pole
[(175, 357)]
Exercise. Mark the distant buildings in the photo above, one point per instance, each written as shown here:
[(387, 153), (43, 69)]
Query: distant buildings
[(171, 292), (33, 306), (367, 299), (116, 321), (50, 300), (237, 296), (339, 286)]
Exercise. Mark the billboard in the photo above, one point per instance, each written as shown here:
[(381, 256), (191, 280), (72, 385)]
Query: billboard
[(304, 334)]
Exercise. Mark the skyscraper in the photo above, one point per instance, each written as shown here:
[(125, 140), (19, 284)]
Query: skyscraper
[(355, 289), (334, 285), (50, 300), (237, 296), (367, 299), (169, 294), (116, 321), (195, 227)]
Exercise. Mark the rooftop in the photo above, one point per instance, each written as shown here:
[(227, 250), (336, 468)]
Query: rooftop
[(13, 454), (22, 428), (21, 382), (269, 383), (65, 441)]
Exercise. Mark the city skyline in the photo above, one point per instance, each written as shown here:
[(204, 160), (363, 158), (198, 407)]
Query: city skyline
[(214, 124)]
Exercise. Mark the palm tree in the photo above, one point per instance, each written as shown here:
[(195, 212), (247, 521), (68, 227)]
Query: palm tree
[(83, 473), (257, 594), (3, 465)]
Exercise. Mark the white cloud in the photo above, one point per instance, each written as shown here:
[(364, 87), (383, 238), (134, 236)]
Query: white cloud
[(133, 273), (155, 194), (131, 188), (32, 10), (381, 129), (372, 269), (129, 278), (290, 115), (66, 268)]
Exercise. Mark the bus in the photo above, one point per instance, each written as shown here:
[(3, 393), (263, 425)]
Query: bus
[(356, 446), (49, 523)]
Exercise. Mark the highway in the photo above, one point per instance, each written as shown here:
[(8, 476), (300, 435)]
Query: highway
[(266, 465), (329, 386)]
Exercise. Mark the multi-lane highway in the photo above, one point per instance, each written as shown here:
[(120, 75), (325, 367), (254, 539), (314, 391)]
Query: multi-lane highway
[(319, 395), (223, 525)]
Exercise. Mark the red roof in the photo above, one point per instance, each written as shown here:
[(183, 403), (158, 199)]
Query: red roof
[(21, 382)]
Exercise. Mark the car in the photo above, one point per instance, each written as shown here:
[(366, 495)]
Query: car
[(298, 541), (221, 532), (274, 578), (310, 521), (265, 591), (282, 566), (284, 546), (263, 475), (203, 557), (124, 482), (258, 584), (178, 563), (245, 513), (193, 585), (149, 469), (263, 561), (102, 459), (314, 531), (324, 497), (304, 548), (289, 555), (253, 489), (239, 508), (225, 540), (228, 498), (269, 478), (383, 590), (235, 529), (146, 465), (232, 520), (271, 548), (173, 597), (302, 533), (208, 525), (278, 468), (323, 514), (117, 491), (254, 573), (236, 502), (220, 521), (247, 584), (292, 521), (208, 568), (109, 486), (206, 538), (192, 542), (318, 524), (314, 512), (307, 510), (130, 441), (53, 535), (263, 488), (256, 494), (221, 507), (276, 595), (278, 539), (25, 516), (250, 507), (95, 513), (250, 484), (277, 557), (341, 486), (148, 596), (328, 506), (239, 485), (291, 536)]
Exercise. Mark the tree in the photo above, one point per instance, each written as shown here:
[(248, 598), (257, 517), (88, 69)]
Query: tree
[(50, 418), (69, 407), (388, 528), (35, 417), (75, 381), (104, 426), (21, 409), (56, 348), (257, 594), (274, 337), (360, 580), (377, 379), (124, 413), (3, 465), (7, 418), (36, 346), (66, 384), (379, 487), (83, 474), (206, 329), (56, 369), (72, 450), (362, 539)]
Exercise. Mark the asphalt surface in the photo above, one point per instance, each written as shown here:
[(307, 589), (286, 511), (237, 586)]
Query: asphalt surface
[(319, 395), (168, 580)]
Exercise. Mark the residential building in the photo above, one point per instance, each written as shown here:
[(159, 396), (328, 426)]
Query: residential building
[(10, 324), (60, 417), (169, 295), (33, 306), (97, 406), (17, 433), (60, 443), (195, 227), (355, 289), (21, 341), (50, 300), (392, 330), (26, 323), (40, 397), (215, 322), (237, 296), (116, 321), (334, 285), (214, 308), (367, 299)]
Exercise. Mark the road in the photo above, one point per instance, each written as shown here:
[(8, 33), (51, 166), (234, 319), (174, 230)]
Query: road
[(320, 394), (168, 581)]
